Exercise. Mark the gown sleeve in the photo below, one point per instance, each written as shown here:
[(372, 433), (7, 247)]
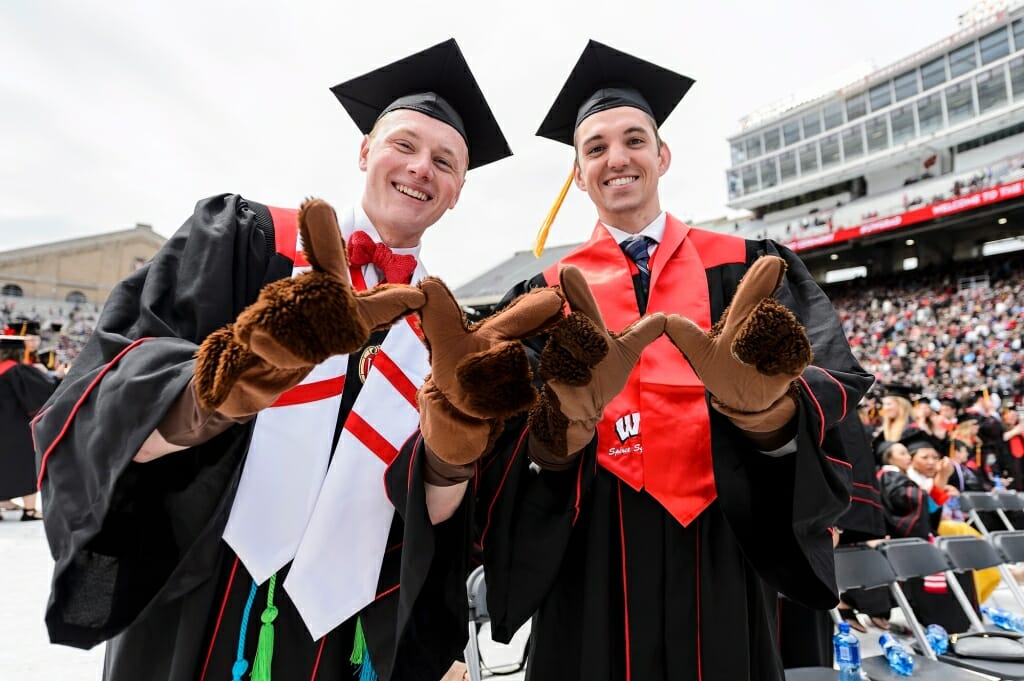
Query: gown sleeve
[(782, 508), (119, 531)]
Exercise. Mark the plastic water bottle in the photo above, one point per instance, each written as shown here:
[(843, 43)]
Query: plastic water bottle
[(997, 482), (847, 649), (955, 512), (899, 659), (938, 639), (1004, 619)]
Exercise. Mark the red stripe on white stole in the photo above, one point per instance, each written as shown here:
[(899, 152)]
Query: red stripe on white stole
[(373, 440), (311, 392), (383, 363)]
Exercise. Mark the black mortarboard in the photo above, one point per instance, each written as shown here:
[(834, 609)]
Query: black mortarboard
[(968, 416), (436, 82), (16, 343), (605, 78), (24, 327), (907, 392), (916, 439), (47, 358)]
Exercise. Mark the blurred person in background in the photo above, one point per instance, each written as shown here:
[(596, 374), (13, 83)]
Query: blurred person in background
[(23, 390)]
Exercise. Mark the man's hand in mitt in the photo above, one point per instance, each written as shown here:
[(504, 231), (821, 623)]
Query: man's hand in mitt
[(584, 367), (752, 356), (295, 324), (480, 375)]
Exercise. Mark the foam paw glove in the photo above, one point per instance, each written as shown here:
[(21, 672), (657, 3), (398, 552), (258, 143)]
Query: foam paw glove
[(751, 358), (480, 374), (295, 324), (584, 366)]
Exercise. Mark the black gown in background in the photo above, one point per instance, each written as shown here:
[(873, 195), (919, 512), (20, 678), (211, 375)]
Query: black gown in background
[(23, 390), (617, 588), (138, 549)]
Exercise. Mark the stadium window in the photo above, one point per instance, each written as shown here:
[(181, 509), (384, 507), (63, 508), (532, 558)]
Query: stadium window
[(902, 124), (962, 60), (769, 175), (12, 290), (812, 124), (735, 185), (790, 132), (905, 85), (787, 165), (753, 147), (833, 115), (1017, 77), (76, 297), (856, 106), (853, 142), (739, 153), (991, 89), (809, 159), (929, 114), (845, 274), (994, 45), (877, 130), (829, 151), (772, 140), (1018, 34), (750, 178), (933, 73), (881, 96), (959, 103)]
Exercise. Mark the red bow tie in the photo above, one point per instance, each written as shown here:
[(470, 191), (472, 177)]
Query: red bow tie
[(362, 250)]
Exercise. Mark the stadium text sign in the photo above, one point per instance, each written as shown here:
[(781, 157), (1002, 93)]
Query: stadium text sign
[(960, 204)]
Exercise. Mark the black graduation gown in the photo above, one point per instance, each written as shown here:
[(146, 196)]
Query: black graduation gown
[(23, 390), (559, 546), (138, 549)]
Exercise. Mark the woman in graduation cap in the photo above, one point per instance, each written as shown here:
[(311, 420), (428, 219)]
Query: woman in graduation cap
[(651, 505), (197, 516), (896, 412)]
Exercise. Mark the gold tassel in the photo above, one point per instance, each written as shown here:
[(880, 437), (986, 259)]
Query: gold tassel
[(542, 235)]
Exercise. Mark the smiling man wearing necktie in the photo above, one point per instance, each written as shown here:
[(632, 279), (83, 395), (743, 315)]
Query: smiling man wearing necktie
[(213, 464), (664, 488)]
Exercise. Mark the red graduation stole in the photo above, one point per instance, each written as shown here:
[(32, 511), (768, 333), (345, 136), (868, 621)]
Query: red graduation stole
[(656, 434)]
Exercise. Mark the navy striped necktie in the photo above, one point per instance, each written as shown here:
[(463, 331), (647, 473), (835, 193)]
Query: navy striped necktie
[(637, 247)]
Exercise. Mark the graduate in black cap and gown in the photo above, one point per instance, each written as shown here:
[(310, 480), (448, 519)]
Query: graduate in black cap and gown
[(645, 530), (198, 520), (23, 390)]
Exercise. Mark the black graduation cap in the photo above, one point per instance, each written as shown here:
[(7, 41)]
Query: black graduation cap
[(436, 82), (48, 358), (606, 78), (24, 327), (904, 390), (968, 416), (9, 342), (916, 439)]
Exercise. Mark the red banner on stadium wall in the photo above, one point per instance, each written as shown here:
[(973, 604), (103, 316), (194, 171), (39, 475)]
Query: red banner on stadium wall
[(960, 204)]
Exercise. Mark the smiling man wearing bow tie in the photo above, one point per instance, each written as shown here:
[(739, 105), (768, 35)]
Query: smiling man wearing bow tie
[(213, 464)]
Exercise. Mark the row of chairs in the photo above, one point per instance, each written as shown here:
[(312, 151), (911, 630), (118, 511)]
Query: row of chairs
[(866, 568), (897, 560)]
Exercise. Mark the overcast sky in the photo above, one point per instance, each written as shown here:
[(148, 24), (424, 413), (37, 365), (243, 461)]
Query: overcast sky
[(113, 113)]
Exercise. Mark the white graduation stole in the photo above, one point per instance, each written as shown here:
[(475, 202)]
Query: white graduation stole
[(333, 522)]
